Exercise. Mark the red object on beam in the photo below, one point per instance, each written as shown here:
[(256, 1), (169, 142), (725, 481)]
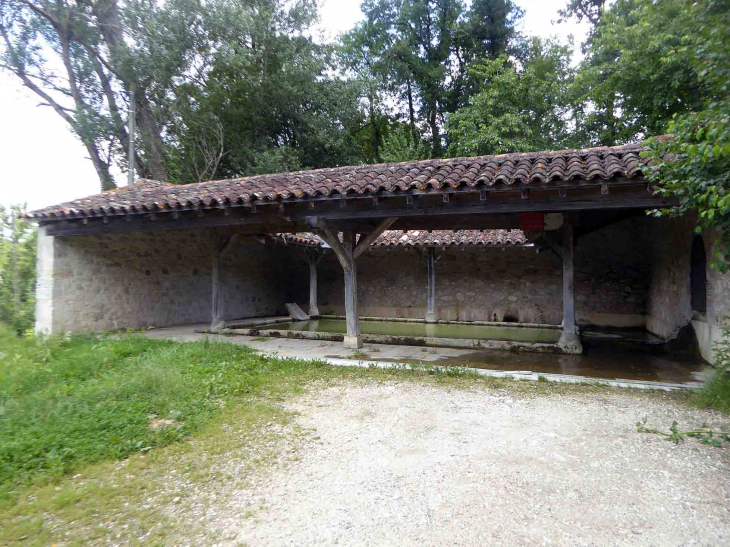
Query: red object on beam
[(532, 221)]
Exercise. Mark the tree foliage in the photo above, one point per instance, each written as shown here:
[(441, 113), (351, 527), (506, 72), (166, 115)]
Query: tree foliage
[(521, 107), (422, 49), (81, 59), (693, 162), (402, 145), (17, 269), (633, 81)]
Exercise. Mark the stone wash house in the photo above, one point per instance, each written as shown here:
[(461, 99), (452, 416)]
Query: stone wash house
[(552, 238)]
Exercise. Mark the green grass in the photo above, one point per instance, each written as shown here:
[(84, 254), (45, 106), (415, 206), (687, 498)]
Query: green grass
[(65, 403), (715, 394)]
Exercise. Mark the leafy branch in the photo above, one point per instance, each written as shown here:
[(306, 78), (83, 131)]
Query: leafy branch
[(704, 435)]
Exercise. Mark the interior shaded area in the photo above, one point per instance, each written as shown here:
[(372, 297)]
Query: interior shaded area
[(412, 329)]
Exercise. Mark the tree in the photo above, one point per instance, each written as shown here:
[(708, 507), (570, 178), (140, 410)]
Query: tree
[(81, 58), (422, 49), (17, 269), (632, 82), (273, 91), (693, 162), (401, 145), (360, 59), (520, 108)]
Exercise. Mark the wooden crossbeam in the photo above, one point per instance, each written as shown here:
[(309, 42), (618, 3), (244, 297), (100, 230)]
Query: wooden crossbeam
[(365, 240)]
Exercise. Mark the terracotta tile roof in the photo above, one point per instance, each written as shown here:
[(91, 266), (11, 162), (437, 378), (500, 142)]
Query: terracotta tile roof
[(535, 168), (301, 238), (422, 238), (450, 238)]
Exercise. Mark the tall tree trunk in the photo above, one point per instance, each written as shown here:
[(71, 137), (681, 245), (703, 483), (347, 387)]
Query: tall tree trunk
[(100, 166), (375, 128), (14, 266), (151, 140), (110, 25), (411, 112), (433, 123)]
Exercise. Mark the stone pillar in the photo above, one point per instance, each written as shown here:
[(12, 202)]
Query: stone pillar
[(45, 257), (431, 286), (313, 305), (570, 339), (353, 340)]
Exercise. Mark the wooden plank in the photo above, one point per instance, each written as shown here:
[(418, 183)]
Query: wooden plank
[(554, 245), (330, 237), (215, 316), (95, 226), (458, 222)]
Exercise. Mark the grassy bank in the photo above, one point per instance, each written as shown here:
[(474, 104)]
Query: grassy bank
[(715, 394), (66, 403)]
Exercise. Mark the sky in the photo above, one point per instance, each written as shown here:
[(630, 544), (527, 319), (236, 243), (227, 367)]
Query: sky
[(42, 163)]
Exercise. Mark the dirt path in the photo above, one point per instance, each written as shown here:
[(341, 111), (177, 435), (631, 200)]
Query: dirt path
[(408, 464)]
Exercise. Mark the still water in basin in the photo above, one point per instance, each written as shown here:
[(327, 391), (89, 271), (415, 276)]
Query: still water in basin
[(596, 363), (406, 329)]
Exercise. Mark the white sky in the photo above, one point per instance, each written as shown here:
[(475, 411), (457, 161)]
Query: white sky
[(42, 163)]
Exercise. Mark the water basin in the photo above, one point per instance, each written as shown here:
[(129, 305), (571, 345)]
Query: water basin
[(430, 330)]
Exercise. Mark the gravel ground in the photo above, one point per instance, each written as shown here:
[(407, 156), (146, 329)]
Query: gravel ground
[(409, 464)]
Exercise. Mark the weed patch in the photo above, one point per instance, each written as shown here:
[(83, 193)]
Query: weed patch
[(704, 435)]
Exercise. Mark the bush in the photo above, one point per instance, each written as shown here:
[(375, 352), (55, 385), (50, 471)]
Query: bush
[(716, 393)]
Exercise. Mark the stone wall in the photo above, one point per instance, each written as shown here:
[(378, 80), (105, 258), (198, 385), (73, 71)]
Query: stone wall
[(669, 298), (514, 284), (92, 283)]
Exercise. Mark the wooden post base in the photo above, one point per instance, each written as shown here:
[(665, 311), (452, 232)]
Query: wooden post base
[(352, 342), (570, 343)]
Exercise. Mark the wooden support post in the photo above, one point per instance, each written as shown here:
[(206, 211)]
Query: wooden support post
[(570, 339), (347, 253), (431, 286), (216, 320), (220, 246), (314, 259), (352, 338)]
